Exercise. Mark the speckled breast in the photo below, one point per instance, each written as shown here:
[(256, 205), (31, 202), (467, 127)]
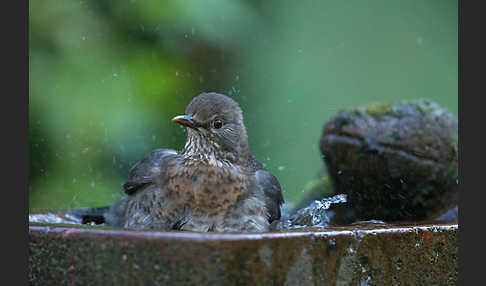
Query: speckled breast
[(207, 189)]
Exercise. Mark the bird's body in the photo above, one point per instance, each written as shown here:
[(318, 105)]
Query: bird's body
[(213, 184)]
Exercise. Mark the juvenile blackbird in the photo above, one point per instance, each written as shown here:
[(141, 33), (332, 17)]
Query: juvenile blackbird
[(213, 184)]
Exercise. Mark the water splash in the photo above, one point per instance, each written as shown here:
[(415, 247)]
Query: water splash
[(314, 215)]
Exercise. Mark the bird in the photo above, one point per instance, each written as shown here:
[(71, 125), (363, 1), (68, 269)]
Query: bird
[(214, 184)]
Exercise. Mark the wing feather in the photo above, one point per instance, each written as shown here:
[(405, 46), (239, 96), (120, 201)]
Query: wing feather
[(148, 169), (272, 192)]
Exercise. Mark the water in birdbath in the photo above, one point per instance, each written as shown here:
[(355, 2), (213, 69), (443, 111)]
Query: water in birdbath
[(315, 215)]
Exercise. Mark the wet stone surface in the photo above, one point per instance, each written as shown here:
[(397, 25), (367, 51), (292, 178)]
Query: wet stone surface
[(367, 254), (395, 161)]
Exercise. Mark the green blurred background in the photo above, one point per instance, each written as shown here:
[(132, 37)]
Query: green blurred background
[(107, 76)]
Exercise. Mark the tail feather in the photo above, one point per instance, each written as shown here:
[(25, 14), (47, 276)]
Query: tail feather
[(89, 215)]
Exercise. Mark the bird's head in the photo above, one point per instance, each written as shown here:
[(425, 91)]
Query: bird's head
[(214, 128)]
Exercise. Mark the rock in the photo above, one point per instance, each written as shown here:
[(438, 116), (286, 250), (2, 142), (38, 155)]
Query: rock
[(395, 161)]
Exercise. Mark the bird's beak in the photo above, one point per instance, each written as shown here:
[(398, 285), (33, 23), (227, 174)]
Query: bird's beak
[(185, 120)]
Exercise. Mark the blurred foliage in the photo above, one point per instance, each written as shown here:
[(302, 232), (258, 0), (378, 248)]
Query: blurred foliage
[(106, 76)]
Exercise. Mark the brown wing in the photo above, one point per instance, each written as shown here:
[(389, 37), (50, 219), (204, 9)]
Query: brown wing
[(152, 166), (272, 191)]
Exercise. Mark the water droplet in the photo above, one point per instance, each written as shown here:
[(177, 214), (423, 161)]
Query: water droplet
[(177, 73), (281, 168), (83, 38), (419, 41), (93, 184), (332, 242)]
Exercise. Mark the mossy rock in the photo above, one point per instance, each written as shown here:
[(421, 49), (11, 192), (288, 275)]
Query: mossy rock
[(396, 161)]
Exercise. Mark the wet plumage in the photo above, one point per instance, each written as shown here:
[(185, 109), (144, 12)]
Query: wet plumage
[(213, 184)]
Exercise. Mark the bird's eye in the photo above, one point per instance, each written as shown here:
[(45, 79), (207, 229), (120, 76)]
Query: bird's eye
[(217, 123)]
